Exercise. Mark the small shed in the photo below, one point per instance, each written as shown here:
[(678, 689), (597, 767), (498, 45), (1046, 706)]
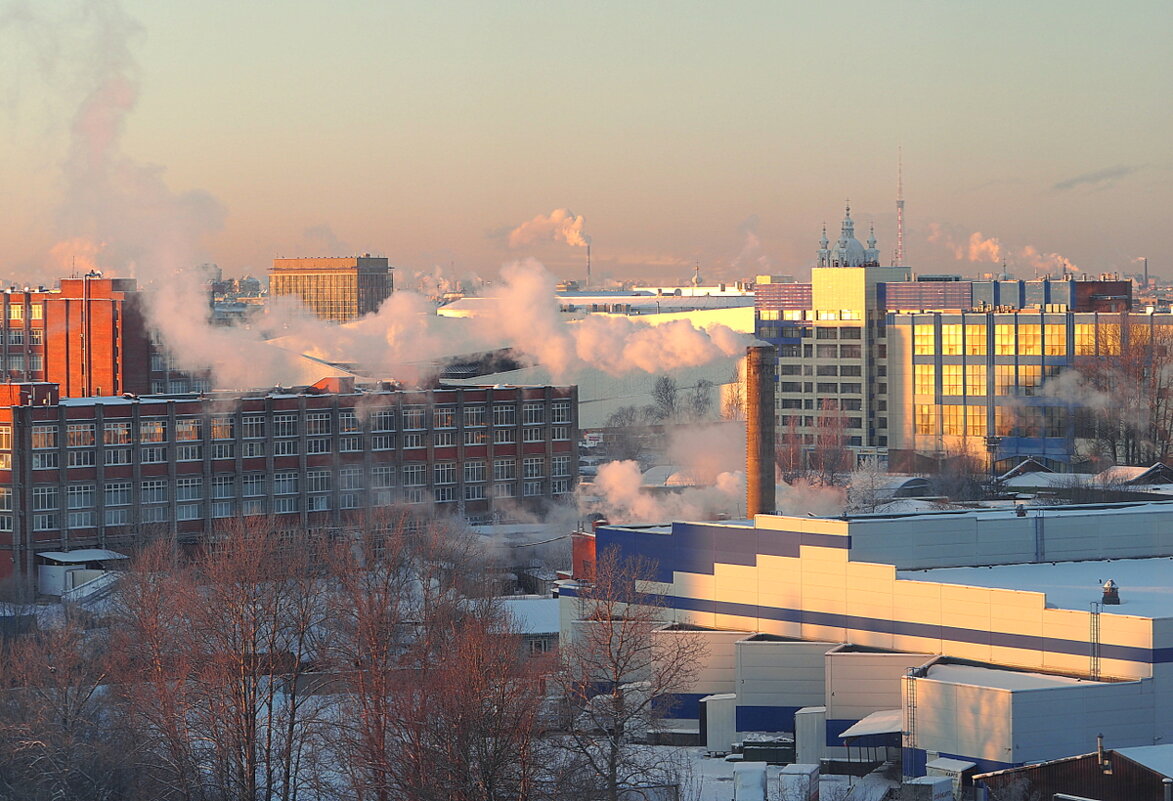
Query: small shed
[(60, 571)]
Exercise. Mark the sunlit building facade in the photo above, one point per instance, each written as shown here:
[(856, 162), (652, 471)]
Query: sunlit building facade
[(336, 289)]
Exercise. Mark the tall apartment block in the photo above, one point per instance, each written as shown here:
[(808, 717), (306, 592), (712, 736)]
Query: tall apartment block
[(337, 289), (103, 471), (89, 337), (938, 365)]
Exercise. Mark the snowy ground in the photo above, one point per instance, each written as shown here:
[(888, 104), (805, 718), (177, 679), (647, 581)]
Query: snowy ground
[(712, 780)]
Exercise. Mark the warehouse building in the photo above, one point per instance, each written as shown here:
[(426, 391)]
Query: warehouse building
[(981, 636)]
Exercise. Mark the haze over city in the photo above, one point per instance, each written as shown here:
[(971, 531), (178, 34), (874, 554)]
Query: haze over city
[(678, 132)]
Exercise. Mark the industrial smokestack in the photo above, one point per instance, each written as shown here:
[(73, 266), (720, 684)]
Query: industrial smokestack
[(759, 429), (588, 283)]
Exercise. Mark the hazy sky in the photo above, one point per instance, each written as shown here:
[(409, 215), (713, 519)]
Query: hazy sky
[(724, 132)]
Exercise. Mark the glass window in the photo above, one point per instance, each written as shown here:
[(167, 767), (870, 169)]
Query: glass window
[(952, 379), (80, 496), (560, 412), (975, 379), (116, 433), (504, 469), (1030, 340), (252, 485), (923, 338), (504, 415), (285, 425), (1085, 339), (382, 477), (415, 475), (223, 428), (347, 421), (474, 471), (445, 472), (285, 483), (1004, 339), (253, 427), (413, 417), (951, 339), (44, 436), (924, 376), (189, 489), (317, 481), (975, 421), (953, 420), (444, 417), (1003, 379), (975, 339), (223, 486), (1055, 340), (317, 423), (533, 467), (533, 414), (152, 431), (153, 491), (350, 478), (924, 419), (187, 429)]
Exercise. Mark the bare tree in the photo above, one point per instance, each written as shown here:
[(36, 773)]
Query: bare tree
[(831, 457), (618, 678), (789, 453), (865, 488), (665, 399), (629, 433), (700, 400)]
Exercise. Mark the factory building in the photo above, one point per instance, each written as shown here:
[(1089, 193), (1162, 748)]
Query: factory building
[(103, 471), (336, 289), (982, 636)]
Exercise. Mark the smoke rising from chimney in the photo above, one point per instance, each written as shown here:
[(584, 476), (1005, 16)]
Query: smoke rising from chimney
[(560, 225)]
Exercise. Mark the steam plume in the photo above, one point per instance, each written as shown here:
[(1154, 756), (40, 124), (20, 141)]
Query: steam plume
[(560, 225)]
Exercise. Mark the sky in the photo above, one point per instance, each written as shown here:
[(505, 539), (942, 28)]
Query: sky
[(724, 134)]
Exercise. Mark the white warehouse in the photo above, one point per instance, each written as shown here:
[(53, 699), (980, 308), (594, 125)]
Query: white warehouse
[(975, 635)]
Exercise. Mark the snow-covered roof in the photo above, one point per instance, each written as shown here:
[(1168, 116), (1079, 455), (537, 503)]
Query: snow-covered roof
[(1157, 758), (1041, 480), (96, 400), (951, 765), (1146, 585), (533, 614), (886, 721), (82, 555), (999, 679)]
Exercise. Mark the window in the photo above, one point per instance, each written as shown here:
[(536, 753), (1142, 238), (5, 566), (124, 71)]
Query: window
[(1030, 340), (223, 428), (221, 509), (953, 420), (1003, 379), (444, 439), (951, 339), (350, 478), (475, 436), (924, 376), (411, 495), (153, 454), (952, 379), (444, 494), (850, 352), (284, 483), (474, 492), (255, 506), (790, 386), (44, 522), (15, 312), (504, 491), (347, 421), (45, 498), (504, 469), (474, 416), (560, 466), (533, 434), (560, 433), (923, 419), (152, 431), (412, 440), (317, 445), (116, 433), (317, 503), (559, 486), (1085, 339), (285, 504), (827, 369), (849, 333), (533, 467), (504, 436), (415, 475), (223, 486), (413, 419), (285, 425), (1004, 340), (189, 452), (117, 493), (444, 417), (223, 450), (474, 471), (824, 387), (444, 472), (86, 519), (504, 415), (560, 412), (80, 496), (923, 339), (253, 427), (36, 335), (348, 500), (532, 413), (827, 351), (285, 447), (975, 421), (349, 444), (153, 491), (531, 488), (44, 436), (187, 430), (1003, 421), (250, 449), (975, 379), (82, 458), (189, 489), (317, 423), (1030, 376), (252, 485), (79, 435), (1055, 340), (317, 481), (117, 517)]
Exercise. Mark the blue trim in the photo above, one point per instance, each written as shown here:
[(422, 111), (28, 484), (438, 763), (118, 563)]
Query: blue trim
[(683, 706), (765, 718), (914, 761)]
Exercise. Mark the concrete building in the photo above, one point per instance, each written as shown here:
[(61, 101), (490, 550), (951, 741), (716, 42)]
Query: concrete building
[(981, 636), (338, 289), (101, 471)]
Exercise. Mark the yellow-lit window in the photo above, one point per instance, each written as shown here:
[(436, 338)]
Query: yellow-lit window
[(953, 421), (1004, 340), (1085, 339), (37, 311), (1055, 340), (975, 340), (952, 379), (1108, 340), (792, 314), (828, 315), (1003, 379), (16, 312), (923, 383), (923, 419), (975, 421), (975, 379), (951, 340), (922, 339), (1030, 340), (1030, 376), (769, 314)]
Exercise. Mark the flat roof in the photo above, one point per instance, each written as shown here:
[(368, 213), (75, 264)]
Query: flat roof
[(1000, 679), (533, 614), (82, 555), (1145, 585)]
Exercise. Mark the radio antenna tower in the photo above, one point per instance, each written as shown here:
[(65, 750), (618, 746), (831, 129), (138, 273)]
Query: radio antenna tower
[(898, 255)]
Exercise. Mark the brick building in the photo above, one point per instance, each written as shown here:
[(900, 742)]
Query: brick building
[(101, 471), (89, 337)]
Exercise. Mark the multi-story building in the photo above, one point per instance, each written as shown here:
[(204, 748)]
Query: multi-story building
[(89, 337), (849, 361), (338, 289), (101, 471)]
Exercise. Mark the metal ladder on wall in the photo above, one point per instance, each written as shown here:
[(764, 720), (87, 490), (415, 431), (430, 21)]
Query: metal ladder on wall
[(910, 708), (1094, 639)]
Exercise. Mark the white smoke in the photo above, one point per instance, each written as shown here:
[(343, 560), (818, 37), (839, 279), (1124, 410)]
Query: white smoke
[(560, 225)]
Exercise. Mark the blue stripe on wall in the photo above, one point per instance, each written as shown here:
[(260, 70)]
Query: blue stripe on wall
[(914, 760), (765, 718)]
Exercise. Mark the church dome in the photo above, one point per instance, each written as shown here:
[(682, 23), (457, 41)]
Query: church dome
[(848, 251)]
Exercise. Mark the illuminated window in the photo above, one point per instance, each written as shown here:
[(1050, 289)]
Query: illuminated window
[(923, 339), (923, 418), (975, 340), (951, 340), (923, 379), (1030, 340), (1055, 340), (1004, 340), (975, 379), (1085, 339), (952, 378), (1030, 376), (953, 421), (1003, 379), (975, 421)]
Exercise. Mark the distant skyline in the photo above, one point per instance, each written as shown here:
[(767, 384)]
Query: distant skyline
[(680, 132)]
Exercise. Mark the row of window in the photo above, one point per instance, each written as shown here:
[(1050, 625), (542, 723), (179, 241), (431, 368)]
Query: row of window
[(22, 336), (826, 369), (36, 311), (973, 421), (973, 379), (795, 315), (820, 351), (822, 387), (1025, 339)]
